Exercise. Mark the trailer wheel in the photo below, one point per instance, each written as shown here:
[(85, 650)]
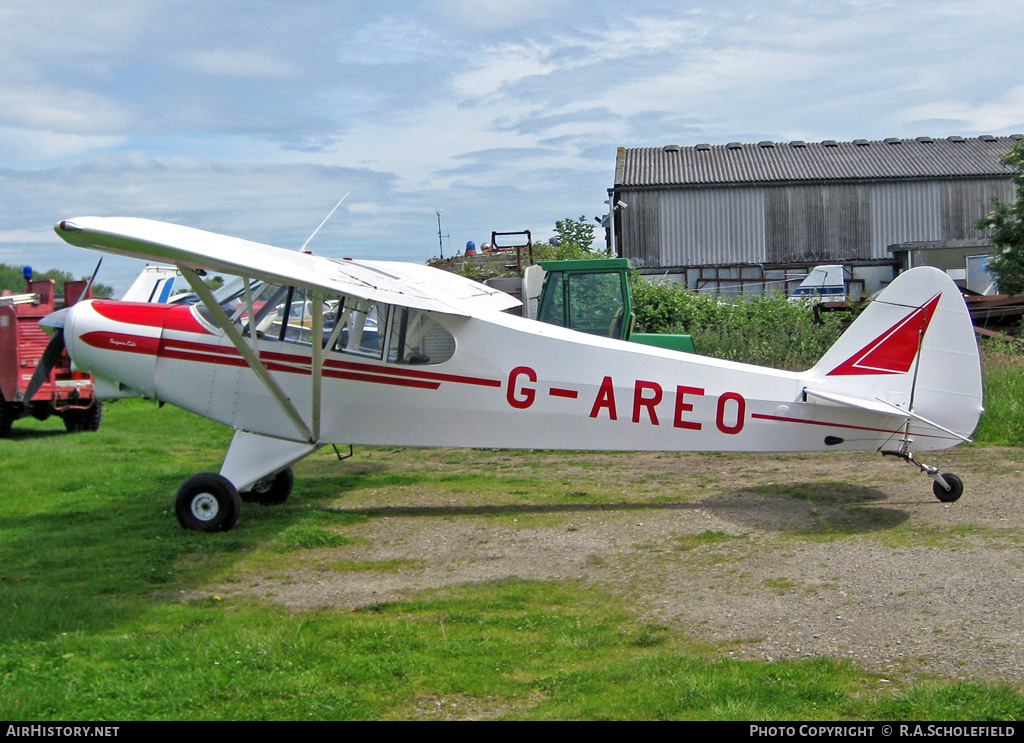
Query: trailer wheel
[(7, 417), (89, 419), (271, 490), (207, 502)]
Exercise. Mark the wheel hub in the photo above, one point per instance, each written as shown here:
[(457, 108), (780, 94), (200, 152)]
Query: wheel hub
[(204, 507)]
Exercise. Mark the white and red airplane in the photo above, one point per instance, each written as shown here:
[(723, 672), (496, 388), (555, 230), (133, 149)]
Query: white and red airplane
[(309, 351)]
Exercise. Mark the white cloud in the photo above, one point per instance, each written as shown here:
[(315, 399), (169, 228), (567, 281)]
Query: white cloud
[(495, 15), (26, 236), (22, 147), (498, 66), (391, 40), (992, 116), (51, 109)]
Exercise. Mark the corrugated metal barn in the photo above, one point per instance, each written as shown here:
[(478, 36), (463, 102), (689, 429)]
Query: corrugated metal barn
[(776, 205)]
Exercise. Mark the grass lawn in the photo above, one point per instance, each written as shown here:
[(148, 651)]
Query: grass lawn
[(98, 624)]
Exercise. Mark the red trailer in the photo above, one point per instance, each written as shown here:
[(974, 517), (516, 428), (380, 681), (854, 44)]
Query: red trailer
[(24, 347)]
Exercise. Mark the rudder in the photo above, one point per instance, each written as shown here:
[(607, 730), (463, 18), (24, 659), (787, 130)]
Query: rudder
[(914, 348)]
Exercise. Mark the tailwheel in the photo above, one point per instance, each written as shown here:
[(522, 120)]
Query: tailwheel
[(947, 487), (207, 502), (956, 487), (271, 490)]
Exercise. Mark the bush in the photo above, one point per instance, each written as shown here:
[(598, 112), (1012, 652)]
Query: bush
[(1003, 367), (767, 330), (770, 331)]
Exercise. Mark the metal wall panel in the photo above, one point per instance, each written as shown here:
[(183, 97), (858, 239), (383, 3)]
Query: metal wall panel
[(693, 226), (817, 223), (799, 223), (931, 210)]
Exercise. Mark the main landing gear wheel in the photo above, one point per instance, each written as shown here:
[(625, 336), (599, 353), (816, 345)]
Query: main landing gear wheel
[(271, 490), (956, 488), (207, 502)]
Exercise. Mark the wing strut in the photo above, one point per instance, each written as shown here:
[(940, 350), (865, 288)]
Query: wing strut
[(252, 358), (318, 359)]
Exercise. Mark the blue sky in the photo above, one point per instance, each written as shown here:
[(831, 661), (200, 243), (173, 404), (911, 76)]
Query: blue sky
[(254, 118)]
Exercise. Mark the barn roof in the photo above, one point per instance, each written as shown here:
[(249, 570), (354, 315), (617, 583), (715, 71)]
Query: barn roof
[(788, 162)]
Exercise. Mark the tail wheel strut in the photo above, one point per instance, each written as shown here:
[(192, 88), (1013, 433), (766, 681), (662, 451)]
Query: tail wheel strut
[(947, 487)]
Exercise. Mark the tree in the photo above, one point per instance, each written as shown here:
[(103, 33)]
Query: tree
[(573, 240), (11, 278), (576, 233), (1007, 224)]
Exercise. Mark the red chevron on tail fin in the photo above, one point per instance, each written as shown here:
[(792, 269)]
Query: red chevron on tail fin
[(894, 351)]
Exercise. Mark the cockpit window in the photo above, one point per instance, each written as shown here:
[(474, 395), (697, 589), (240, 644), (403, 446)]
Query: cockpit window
[(417, 338), (351, 325), (294, 315), (363, 325), (231, 298), (280, 313)]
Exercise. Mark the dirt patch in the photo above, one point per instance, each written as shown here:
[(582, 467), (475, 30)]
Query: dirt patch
[(845, 555)]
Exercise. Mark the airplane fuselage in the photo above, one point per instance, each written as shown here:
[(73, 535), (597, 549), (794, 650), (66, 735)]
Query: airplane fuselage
[(508, 383)]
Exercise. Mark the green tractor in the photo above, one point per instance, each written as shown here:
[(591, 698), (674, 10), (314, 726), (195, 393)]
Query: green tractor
[(591, 296)]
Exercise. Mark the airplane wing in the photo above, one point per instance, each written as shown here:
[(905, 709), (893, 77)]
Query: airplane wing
[(405, 284)]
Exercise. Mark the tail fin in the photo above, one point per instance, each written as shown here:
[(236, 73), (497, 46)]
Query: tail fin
[(913, 348)]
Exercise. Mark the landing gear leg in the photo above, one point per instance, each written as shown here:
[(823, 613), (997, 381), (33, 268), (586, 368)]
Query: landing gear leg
[(947, 487)]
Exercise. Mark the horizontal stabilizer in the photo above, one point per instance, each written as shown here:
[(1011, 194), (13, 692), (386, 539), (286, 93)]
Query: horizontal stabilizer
[(879, 406)]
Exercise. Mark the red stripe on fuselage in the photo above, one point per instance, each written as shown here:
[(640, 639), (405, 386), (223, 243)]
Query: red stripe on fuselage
[(170, 353), (416, 373), (397, 381), (289, 358), (783, 419)]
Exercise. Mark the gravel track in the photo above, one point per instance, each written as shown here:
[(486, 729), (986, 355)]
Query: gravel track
[(772, 556)]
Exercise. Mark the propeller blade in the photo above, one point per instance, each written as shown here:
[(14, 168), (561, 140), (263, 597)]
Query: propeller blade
[(54, 324), (47, 361)]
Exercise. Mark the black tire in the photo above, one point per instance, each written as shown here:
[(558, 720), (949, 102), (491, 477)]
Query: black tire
[(956, 486), (271, 490), (76, 421), (207, 502), (7, 417)]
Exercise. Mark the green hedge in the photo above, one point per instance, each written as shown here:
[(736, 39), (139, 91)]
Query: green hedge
[(767, 330)]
